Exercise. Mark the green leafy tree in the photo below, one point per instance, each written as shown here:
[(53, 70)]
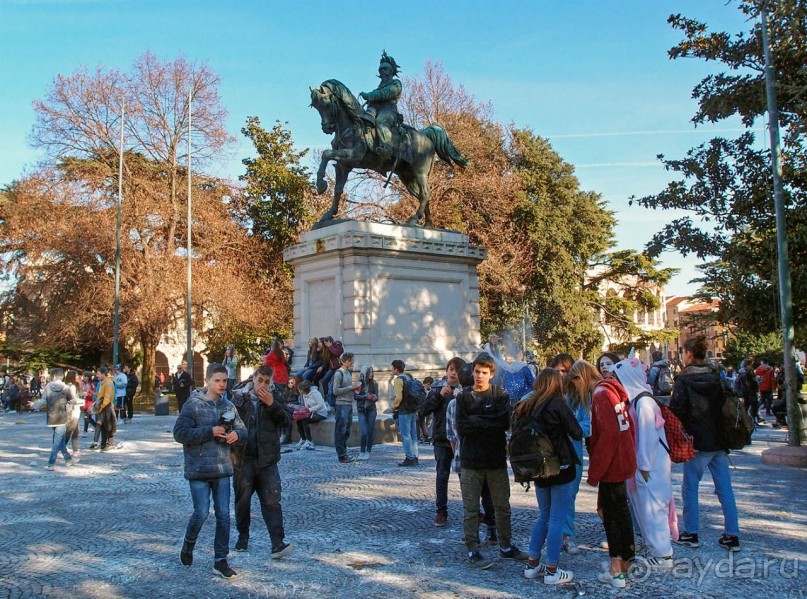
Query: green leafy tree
[(743, 345), (725, 185), (277, 187)]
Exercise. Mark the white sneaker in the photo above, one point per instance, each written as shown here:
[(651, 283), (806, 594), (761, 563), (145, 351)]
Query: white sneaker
[(539, 570), (301, 443), (559, 577), (310, 445), (50, 467), (71, 463), (571, 548), (615, 580), (661, 563)]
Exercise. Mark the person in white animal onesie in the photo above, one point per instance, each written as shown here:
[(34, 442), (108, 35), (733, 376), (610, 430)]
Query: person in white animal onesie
[(650, 490)]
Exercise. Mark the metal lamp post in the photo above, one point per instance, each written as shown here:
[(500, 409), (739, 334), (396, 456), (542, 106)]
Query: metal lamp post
[(116, 323), (785, 295), (188, 307)]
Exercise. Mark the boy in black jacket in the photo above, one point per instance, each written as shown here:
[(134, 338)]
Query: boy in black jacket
[(483, 417), (260, 406), (442, 392)]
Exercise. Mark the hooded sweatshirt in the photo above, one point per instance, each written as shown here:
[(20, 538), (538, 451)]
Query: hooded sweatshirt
[(612, 452), (646, 414)]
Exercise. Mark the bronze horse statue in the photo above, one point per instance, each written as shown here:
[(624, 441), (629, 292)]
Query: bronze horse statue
[(342, 115)]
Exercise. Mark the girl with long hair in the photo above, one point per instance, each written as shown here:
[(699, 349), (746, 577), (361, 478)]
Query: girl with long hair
[(582, 379), (547, 406), (605, 364), (276, 360)]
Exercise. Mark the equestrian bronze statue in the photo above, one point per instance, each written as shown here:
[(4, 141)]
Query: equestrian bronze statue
[(377, 139)]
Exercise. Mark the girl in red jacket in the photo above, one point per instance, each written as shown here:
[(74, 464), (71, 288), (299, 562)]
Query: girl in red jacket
[(276, 360), (612, 460)]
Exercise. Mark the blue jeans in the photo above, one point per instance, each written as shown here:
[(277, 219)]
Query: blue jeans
[(59, 444), (718, 464), (326, 387), (201, 490), (568, 524), (341, 430), (552, 509), (408, 425), (367, 428)]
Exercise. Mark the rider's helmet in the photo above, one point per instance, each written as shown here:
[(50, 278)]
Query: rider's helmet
[(388, 61)]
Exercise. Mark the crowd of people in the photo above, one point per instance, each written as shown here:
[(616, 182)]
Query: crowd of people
[(615, 410)]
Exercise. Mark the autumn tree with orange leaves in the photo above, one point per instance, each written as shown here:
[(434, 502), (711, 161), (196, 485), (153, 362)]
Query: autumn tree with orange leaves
[(57, 223)]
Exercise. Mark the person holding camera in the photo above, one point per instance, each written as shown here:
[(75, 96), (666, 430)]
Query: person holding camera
[(260, 406), (208, 426)]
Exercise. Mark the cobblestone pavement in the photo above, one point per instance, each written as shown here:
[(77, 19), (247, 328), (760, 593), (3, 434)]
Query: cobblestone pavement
[(112, 527)]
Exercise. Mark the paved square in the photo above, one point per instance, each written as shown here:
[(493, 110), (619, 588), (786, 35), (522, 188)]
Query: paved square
[(112, 527)]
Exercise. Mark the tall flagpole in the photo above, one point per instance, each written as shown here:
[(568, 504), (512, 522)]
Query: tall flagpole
[(116, 325), (188, 315)]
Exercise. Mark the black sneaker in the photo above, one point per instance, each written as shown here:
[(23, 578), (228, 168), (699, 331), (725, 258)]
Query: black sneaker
[(477, 560), (186, 554), (282, 550), (416, 462), (688, 540), (242, 543), (514, 553), (492, 537), (346, 459), (730, 542), (223, 569), (407, 462)]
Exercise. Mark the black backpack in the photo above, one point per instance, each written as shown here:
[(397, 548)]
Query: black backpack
[(414, 393), (734, 425), (532, 454)]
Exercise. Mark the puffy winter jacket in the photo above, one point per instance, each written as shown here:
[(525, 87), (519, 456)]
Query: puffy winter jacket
[(697, 400), (205, 457), (263, 423)]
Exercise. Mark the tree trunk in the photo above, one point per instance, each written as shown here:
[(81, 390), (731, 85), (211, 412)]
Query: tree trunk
[(149, 344)]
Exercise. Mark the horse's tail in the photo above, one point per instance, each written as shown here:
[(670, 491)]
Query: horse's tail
[(445, 149)]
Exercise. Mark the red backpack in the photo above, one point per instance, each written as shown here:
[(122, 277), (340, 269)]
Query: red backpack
[(681, 448)]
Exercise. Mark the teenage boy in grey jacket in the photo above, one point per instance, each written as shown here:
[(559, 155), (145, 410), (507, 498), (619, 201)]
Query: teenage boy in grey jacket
[(208, 426)]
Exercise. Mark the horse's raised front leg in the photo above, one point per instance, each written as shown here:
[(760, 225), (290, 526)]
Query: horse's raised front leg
[(322, 184)]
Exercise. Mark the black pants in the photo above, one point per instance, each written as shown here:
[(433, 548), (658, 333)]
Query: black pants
[(181, 399), (128, 405), (612, 501), (752, 406), (109, 426), (249, 479), (443, 455), (304, 426)]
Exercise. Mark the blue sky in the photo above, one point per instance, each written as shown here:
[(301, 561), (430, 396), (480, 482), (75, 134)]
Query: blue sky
[(592, 76)]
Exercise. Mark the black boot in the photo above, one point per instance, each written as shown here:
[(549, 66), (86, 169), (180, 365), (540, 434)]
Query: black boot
[(186, 555), (493, 536)]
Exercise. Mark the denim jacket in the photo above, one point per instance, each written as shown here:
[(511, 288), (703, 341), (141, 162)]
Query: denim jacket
[(583, 419)]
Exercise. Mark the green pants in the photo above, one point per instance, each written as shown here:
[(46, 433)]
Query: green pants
[(471, 483)]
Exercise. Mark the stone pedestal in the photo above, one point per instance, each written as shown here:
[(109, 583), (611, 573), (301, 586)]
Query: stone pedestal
[(388, 292)]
